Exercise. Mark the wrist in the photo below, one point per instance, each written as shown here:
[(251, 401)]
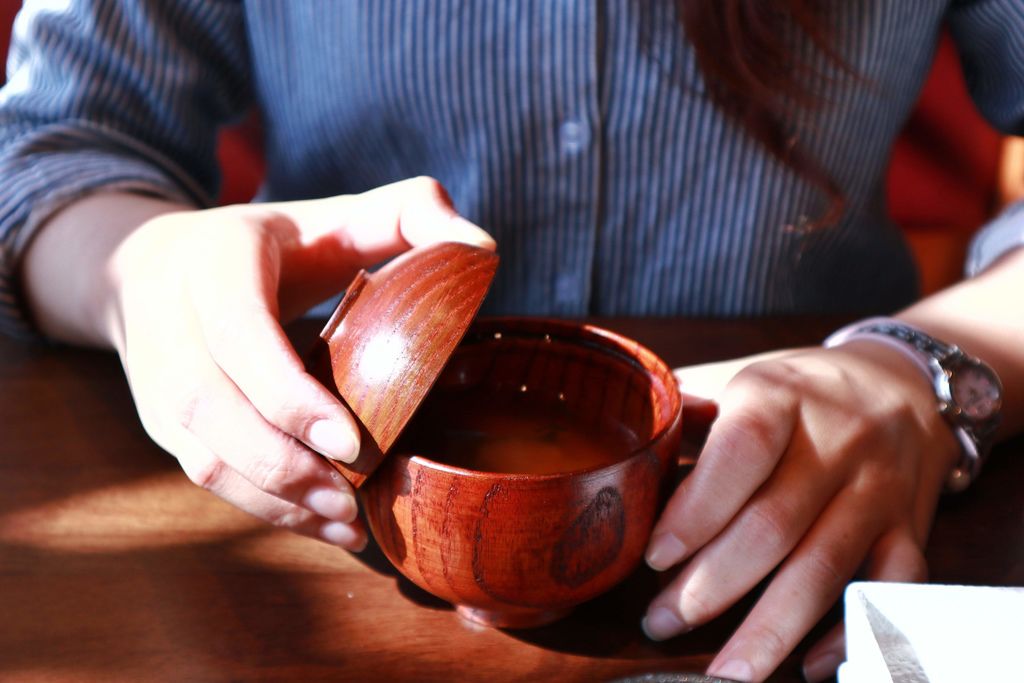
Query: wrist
[(68, 274), (967, 393)]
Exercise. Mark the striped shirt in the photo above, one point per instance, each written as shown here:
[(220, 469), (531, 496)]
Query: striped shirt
[(578, 133)]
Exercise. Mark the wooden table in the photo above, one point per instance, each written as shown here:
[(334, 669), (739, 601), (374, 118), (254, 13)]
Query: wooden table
[(113, 566)]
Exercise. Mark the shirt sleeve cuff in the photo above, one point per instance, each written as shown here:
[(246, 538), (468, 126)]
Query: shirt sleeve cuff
[(41, 184), (997, 238)]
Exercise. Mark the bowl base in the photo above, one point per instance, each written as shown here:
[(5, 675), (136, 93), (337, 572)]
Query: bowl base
[(513, 618)]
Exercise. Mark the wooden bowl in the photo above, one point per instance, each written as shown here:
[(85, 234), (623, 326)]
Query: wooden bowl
[(521, 549)]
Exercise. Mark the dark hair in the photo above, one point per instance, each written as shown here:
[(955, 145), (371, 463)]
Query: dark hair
[(747, 51)]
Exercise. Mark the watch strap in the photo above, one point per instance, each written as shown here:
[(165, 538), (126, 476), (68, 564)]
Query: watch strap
[(909, 341)]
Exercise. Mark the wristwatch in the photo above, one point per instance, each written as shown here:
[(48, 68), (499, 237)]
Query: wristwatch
[(969, 392)]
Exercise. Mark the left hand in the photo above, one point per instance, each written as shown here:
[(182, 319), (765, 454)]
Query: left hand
[(822, 463)]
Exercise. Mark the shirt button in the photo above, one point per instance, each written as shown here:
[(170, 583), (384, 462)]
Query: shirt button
[(567, 288), (575, 135)]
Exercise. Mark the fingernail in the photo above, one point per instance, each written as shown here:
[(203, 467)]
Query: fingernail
[(334, 440), (463, 230), (665, 550), (823, 665), (662, 623), (344, 535), (332, 504), (736, 669)]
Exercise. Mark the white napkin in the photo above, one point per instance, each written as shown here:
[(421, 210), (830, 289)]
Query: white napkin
[(952, 633)]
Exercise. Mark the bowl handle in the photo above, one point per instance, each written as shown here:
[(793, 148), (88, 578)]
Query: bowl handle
[(698, 415)]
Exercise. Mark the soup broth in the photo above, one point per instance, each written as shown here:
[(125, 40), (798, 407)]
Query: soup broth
[(521, 433)]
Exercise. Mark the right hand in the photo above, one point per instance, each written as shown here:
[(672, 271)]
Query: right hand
[(198, 300)]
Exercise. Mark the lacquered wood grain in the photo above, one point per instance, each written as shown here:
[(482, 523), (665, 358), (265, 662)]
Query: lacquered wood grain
[(391, 335)]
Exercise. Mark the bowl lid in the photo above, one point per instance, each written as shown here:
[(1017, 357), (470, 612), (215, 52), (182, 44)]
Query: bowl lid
[(392, 334)]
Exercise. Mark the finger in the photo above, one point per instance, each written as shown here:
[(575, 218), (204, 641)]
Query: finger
[(698, 416), (326, 241), (896, 556), (753, 430), (806, 585), (266, 369), (206, 470), (932, 480), (824, 658), (708, 381), (762, 534), (227, 484), (247, 343), (215, 476), (227, 425)]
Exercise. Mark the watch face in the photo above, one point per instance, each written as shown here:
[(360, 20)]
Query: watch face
[(976, 391)]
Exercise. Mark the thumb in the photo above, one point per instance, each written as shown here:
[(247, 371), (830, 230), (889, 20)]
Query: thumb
[(411, 213), (325, 241), (701, 386), (429, 216), (707, 381), (368, 228)]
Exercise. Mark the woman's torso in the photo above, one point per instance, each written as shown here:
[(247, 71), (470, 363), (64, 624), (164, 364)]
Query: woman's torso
[(579, 134)]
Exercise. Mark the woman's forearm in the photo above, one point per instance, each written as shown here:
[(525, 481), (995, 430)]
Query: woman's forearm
[(985, 316), (66, 275)]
